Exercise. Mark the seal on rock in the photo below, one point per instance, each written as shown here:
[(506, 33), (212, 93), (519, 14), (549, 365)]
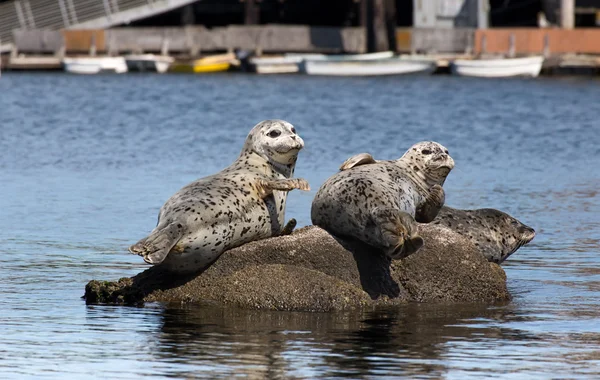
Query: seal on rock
[(378, 202), (242, 203), (496, 234)]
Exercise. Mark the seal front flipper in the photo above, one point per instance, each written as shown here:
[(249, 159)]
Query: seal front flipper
[(429, 208), (155, 248), (357, 160), (288, 228), (265, 188), (398, 231)]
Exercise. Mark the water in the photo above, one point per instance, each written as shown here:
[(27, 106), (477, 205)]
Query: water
[(86, 162)]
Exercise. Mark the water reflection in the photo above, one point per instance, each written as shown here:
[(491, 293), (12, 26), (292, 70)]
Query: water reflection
[(412, 341)]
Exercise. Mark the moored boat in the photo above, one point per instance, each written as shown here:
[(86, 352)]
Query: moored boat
[(498, 67), (209, 64), (273, 65), (148, 62), (390, 66), (340, 57), (94, 65), (293, 62)]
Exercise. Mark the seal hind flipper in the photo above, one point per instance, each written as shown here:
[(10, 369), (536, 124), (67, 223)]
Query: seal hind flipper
[(431, 206), (357, 160), (398, 232), (265, 188), (155, 248)]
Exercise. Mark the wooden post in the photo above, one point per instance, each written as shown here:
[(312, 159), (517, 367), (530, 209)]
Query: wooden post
[(482, 14), (376, 30), (187, 15), (483, 44), (251, 13), (164, 49), (511, 45), (546, 45), (390, 24), (93, 45), (363, 13), (567, 14)]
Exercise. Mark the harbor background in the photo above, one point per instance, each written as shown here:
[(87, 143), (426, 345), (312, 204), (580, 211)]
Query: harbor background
[(565, 31)]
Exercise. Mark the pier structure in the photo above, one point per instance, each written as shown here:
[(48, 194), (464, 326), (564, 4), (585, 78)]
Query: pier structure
[(564, 28)]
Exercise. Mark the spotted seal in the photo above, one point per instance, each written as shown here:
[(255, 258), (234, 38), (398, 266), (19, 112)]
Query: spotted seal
[(496, 234), (242, 203), (378, 202)]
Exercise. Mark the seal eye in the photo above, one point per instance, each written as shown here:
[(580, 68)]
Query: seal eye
[(274, 133), (446, 151), (293, 130), (426, 151)]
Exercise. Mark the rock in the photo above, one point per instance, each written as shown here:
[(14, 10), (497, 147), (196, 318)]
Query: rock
[(311, 270)]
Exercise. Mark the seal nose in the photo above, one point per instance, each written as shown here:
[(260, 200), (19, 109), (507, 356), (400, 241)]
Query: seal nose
[(528, 234), (449, 161)]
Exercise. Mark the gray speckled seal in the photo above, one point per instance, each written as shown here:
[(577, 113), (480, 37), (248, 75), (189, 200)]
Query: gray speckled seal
[(378, 202), (496, 234), (242, 203)]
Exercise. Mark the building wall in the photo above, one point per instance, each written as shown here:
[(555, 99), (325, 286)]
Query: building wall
[(446, 13)]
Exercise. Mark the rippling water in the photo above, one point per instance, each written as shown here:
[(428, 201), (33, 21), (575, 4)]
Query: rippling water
[(86, 162)]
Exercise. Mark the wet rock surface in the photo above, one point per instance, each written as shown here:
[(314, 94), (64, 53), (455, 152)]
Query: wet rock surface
[(311, 270)]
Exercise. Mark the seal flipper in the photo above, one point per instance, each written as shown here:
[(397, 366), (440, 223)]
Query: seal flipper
[(288, 228), (429, 208), (357, 160), (155, 248), (398, 232), (265, 188)]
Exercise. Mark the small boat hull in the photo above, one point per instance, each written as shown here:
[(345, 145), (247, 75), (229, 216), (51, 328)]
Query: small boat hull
[(210, 64), (200, 68), (391, 66), (95, 65), (292, 63), (498, 68), (340, 57), (148, 62), (290, 68)]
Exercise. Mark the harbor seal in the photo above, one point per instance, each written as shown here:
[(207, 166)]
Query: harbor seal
[(496, 234), (242, 203), (378, 202)]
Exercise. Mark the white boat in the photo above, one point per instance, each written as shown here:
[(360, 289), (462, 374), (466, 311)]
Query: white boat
[(390, 66), (274, 65), (148, 62), (292, 62), (95, 65), (498, 68), (341, 57)]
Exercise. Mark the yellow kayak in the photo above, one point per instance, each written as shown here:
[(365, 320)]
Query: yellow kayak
[(209, 64), (199, 67)]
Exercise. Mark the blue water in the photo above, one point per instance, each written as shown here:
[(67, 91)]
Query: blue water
[(86, 162)]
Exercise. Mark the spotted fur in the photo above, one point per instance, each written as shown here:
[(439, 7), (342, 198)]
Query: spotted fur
[(242, 203), (496, 234), (377, 202)]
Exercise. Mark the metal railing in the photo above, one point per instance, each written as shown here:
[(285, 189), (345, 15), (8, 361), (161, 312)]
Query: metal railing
[(77, 14)]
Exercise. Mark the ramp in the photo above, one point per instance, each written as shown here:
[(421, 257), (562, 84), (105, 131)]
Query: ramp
[(76, 14)]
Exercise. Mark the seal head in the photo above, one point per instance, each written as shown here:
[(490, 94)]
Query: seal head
[(275, 141), (495, 233), (428, 163)]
